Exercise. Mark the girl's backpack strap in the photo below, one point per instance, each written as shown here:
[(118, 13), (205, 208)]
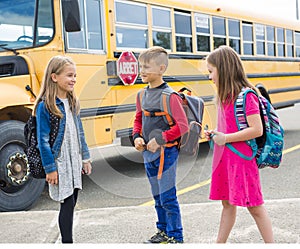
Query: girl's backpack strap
[(234, 150), (241, 122), (240, 108)]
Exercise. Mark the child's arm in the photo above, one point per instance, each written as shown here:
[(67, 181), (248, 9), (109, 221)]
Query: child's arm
[(139, 142), (43, 131), (254, 130), (179, 116)]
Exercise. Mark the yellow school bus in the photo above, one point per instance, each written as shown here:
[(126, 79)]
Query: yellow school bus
[(97, 34)]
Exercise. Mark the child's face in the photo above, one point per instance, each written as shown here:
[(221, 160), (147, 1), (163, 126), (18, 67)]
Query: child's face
[(65, 80), (213, 73), (150, 71)]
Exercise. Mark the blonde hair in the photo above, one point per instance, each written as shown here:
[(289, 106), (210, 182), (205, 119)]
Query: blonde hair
[(232, 77), (48, 92), (158, 54)]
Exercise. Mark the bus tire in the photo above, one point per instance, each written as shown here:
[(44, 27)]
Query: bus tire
[(22, 195)]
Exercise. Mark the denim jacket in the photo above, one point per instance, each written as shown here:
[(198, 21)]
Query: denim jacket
[(48, 154)]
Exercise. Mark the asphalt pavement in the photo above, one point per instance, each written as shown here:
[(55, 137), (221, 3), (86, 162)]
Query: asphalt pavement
[(133, 225)]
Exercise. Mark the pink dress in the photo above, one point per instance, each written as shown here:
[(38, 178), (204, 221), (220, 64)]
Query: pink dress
[(234, 178)]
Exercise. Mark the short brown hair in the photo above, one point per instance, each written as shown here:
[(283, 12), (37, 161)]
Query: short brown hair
[(158, 54)]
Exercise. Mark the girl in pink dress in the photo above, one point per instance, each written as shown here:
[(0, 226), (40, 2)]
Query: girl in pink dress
[(235, 180)]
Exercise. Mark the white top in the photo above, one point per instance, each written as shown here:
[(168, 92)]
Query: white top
[(69, 162)]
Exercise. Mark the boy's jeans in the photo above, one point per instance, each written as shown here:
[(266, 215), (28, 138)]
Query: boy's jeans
[(164, 191)]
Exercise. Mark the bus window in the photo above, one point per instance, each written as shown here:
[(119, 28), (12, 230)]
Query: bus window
[(18, 26), (297, 43), (280, 42), (234, 35), (91, 36), (271, 40), (260, 39), (94, 25), (289, 43), (131, 29), (161, 22), (219, 32), (248, 38), (203, 32), (45, 30), (183, 32)]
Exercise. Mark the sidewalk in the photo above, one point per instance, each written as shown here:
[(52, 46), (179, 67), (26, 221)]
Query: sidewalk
[(136, 224)]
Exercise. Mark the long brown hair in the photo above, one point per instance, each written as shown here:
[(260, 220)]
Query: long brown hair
[(48, 90), (232, 77)]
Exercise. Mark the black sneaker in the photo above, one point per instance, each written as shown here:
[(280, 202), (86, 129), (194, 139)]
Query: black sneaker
[(159, 238), (174, 241)]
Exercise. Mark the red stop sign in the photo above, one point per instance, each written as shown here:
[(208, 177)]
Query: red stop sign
[(127, 68)]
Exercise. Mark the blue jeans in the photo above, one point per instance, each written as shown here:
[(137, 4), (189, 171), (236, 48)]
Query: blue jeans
[(164, 191)]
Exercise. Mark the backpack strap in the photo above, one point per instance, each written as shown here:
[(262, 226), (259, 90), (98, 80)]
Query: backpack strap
[(241, 121), (165, 105)]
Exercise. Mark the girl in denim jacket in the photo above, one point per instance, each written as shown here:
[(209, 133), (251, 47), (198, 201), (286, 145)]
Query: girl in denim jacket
[(69, 157)]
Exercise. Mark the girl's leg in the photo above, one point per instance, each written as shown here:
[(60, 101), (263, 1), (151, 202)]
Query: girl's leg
[(227, 221), (65, 218), (263, 222)]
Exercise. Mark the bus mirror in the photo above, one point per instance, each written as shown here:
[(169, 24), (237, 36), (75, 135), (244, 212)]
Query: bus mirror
[(71, 15)]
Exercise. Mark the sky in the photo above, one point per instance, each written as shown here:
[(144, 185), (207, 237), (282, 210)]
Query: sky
[(285, 9)]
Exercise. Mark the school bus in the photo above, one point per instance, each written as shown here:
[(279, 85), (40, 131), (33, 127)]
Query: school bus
[(95, 33)]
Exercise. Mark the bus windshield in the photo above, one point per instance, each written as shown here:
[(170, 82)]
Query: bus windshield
[(25, 23)]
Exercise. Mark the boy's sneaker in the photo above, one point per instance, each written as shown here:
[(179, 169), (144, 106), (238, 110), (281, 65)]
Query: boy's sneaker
[(174, 241), (159, 238)]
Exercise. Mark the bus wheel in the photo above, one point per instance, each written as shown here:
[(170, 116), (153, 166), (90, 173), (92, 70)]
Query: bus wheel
[(18, 190)]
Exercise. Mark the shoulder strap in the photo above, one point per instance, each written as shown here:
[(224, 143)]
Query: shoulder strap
[(165, 105), (239, 108), (241, 121)]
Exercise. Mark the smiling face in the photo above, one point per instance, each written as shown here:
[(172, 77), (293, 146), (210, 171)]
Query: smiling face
[(213, 73), (151, 72), (153, 62), (65, 80)]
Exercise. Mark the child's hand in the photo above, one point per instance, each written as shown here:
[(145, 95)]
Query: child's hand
[(152, 145), (139, 144), (218, 137), (52, 178), (208, 134), (87, 168)]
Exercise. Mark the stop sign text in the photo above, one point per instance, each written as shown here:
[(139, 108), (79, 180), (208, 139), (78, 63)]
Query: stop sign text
[(127, 68)]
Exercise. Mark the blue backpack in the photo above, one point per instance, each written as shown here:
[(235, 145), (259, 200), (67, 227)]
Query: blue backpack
[(268, 148)]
